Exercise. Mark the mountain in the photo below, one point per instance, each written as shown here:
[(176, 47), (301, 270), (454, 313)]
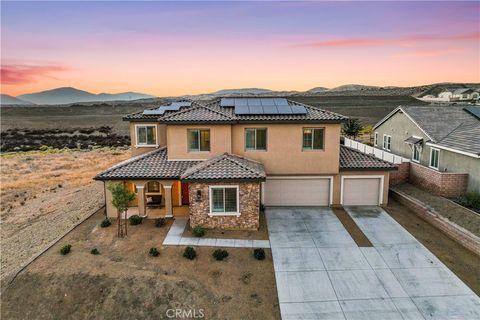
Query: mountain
[(241, 91), (317, 90), (5, 99), (354, 87), (68, 95)]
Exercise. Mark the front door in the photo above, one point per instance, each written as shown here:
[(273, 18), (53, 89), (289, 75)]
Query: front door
[(185, 200)]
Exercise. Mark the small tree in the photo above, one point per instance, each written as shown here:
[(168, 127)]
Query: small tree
[(121, 198), (352, 127)]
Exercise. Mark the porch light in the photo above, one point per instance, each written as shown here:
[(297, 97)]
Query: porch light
[(199, 195)]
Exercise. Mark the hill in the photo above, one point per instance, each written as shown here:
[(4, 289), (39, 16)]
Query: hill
[(5, 99), (67, 95)]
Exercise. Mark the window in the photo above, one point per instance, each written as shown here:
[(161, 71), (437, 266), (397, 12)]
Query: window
[(313, 138), (416, 153), (224, 200), (375, 139), (255, 139), (153, 186), (198, 140), (434, 158), (146, 135), (387, 142)]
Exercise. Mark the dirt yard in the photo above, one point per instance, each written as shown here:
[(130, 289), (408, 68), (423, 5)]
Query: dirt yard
[(464, 263), (124, 282), (43, 195)]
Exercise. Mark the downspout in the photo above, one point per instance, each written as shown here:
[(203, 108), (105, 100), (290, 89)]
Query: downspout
[(105, 197)]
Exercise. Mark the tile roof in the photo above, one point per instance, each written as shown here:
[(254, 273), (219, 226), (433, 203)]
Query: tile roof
[(354, 159), (226, 167), (450, 126), (152, 165), (198, 113)]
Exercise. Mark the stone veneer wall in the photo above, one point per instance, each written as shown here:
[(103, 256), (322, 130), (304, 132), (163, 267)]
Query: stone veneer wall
[(249, 193), (445, 184)]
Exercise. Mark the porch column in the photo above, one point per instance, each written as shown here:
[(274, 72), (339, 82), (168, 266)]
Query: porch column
[(141, 200), (168, 200)]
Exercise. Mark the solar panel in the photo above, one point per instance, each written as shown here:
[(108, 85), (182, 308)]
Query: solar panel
[(267, 101), (298, 109), (241, 102), (475, 111), (256, 109), (284, 109), (281, 101), (174, 106), (270, 110), (254, 102), (242, 110), (227, 102), (262, 106)]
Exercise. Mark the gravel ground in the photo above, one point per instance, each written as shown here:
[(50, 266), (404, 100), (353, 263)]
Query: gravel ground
[(29, 229), (452, 211)]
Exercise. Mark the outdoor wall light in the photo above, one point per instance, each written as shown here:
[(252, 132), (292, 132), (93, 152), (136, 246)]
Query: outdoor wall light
[(199, 195)]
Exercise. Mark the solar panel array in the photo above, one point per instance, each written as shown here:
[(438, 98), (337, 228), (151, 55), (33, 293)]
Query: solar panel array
[(245, 106), (475, 111), (174, 106)]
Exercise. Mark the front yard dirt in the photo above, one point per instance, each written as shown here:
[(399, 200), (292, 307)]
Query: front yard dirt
[(124, 282), (464, 263), (260, 234)]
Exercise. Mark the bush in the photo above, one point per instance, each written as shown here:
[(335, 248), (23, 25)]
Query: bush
[(94, 251), (198, 231), (189, 253), (105, 223), (65, 249), (135, 219), (159, 222), (471, 200), (43, 148), (259, 254), (220, 254), (154, 252)]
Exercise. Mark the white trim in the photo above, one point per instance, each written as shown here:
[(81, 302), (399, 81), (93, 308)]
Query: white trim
[(389, 142), (380, 195), (255, 148), (211, 213), (473, 155), (430, 159), (137, 145), (200, 140), (167, 187), (330, 196), (414, 147), (313, 135), (375, 138)]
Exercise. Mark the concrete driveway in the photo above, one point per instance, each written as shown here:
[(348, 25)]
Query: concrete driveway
[(322, 274)]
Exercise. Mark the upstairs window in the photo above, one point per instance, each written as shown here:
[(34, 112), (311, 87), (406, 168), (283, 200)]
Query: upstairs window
[(387, 142), (375, 139), (313, 139), (416, 153), (146, 135), (224, 200), (198, 139), (255, 139), (434, 158)]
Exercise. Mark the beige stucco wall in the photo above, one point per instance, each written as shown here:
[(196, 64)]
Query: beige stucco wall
[(338, 178), (220, 141), (161, 137), (285, 156)]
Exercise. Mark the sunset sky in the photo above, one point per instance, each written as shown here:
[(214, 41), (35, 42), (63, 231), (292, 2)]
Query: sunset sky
[(166, 48)]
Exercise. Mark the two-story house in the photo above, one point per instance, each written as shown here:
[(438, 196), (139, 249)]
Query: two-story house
[(443, 143), (220, 160)]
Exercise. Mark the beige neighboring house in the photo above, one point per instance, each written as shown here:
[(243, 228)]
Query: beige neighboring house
[(219, 161)]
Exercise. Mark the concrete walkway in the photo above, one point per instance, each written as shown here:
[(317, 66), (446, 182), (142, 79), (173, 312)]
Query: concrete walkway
[(175, 238), (322, 274)]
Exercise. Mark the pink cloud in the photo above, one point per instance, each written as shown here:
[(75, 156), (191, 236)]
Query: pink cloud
[(22, 74), (401, 41)]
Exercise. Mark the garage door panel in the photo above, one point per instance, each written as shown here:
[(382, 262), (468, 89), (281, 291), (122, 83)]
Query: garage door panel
[(297, 192), (361, 191)]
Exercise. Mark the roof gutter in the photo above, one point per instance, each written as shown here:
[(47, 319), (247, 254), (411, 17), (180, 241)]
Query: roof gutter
[(469, 154)]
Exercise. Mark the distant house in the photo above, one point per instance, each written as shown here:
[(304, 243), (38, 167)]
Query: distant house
[(445, 95), (465, 94), (453, 95), (443, 142)]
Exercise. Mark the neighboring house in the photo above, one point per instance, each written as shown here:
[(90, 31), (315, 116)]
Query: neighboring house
[(443, 144), (465, 94), (221, 160)]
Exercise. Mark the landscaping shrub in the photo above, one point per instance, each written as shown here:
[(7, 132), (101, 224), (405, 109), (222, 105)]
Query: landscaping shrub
[(105, 223), (160, 222), (154, 252), (220, 254), (65, 249), (189, 253), (94, 251), (135, 219), (471, 200), (259, 254), (198, 231)]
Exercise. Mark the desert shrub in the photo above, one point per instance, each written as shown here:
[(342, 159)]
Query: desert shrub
[(189, 253), (135, 219), (105, 223), (369, 143), (471, 200), (154, 252), (220, 254), (259, 254), (43, 148), (198, 231), (159, 222), (94, 251), (65, 249)]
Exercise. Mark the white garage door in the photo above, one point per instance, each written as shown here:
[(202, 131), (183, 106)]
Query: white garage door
[(361, 191), (297, 192)]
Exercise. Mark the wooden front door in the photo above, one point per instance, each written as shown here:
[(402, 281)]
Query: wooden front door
[(185, 200)]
